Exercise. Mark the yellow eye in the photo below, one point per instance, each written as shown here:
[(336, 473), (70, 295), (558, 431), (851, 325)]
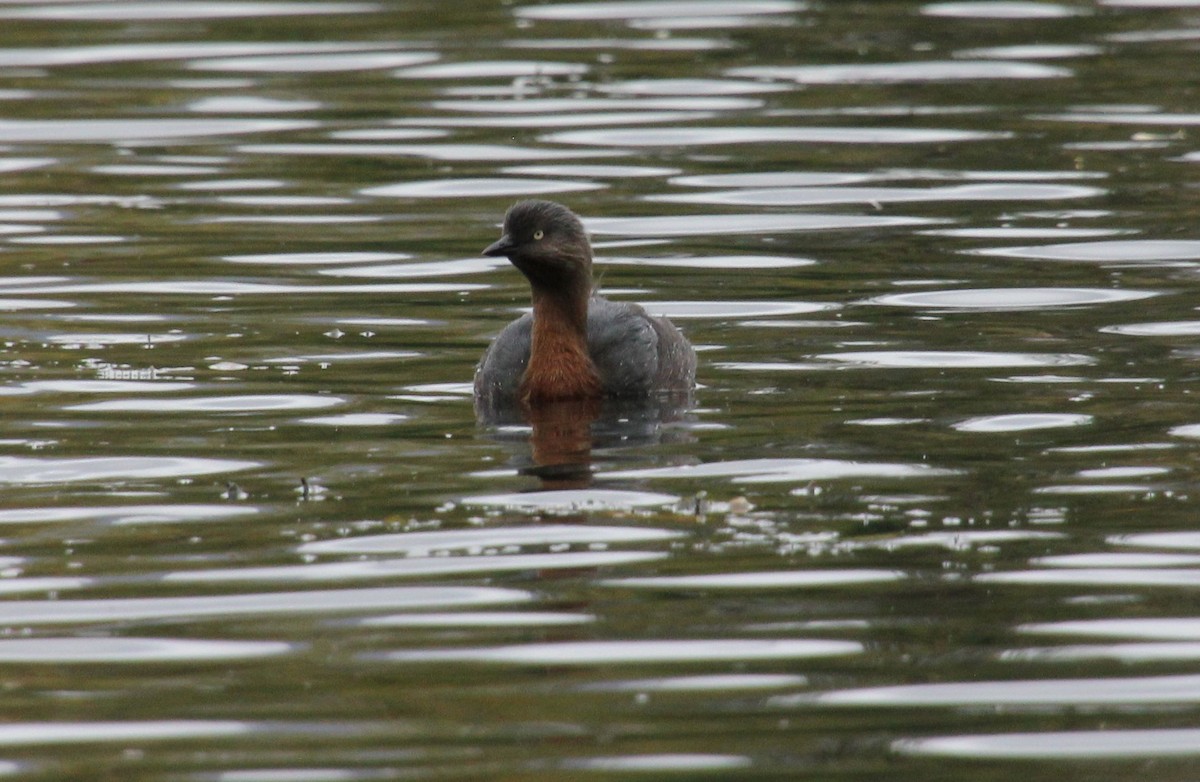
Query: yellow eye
[(537, 235)]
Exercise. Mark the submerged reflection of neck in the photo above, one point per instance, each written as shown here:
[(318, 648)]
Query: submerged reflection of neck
[(561, 442)]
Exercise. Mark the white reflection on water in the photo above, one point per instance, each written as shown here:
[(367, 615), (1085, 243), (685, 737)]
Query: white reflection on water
[(1022, 422), (1167, 628), (655, 9), (573, 500), (55, 651), (148, 10), (754, 223), (949, 359), (1147, 251), (477, 187), (449, 152), (479, 619), (702, 683), (633, 652), (24, 469), (1010, 298), (335, 601), (213, 404), (898, 72), (1033, 692), (1059, 745), (783, 470), (314, 62), (427, 543), (811, 196), (668, 763), (672, 137), (93, 131), (784, 579), (17, 734), (1001, 9), (413, 567), (125, 514)]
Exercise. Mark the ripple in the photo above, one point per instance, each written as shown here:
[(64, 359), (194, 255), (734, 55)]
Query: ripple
[(92, 131), (1168, 540), (813, 196), (573, 500), (546, 121), (734, 309), (498, 153), (19, 469), (334, 601), (1123, 653), (1059, 745), (478, 187), (249, 104), (1098, 577), (493, 69), (598, 171), (1000, 9), (148, 10), (416, 567), (125, 514), (664, 763), (786, 579), (1023, 422), (551, 106), (683, 137), (1187, 430), (57, 651), (1118, 118), (1177, 328), (1001, 299), (783, 470), (719, 262), (214, 404), (307, 62), (17, 734), (1185, 628), (480, 619), (703, 683), (105, 386), (315, 258), (656, 9), (703, 225), (950, 359), (1012, 232), (356, 419), (427, 543), (571, 653), (428, 269), (1033, 51), (900, 72), (705, 87), (101, 340), (1060, 692), (16, 305), (1117, 251)]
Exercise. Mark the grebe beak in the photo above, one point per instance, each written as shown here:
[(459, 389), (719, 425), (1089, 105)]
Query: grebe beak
[(501, 246)]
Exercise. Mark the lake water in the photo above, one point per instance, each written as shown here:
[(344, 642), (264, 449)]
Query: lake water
[(933, 514)]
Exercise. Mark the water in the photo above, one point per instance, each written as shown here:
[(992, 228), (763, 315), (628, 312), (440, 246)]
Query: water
[(931, 514)]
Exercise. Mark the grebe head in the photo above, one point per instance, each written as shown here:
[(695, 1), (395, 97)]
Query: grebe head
[(547, 243)]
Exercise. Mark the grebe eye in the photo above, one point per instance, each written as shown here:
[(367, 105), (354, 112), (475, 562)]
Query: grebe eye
[(537, 235)]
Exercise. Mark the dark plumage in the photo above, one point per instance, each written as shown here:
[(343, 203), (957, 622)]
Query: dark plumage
[(575, 344)]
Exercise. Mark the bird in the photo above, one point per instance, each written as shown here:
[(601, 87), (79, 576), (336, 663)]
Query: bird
[(575, 344)]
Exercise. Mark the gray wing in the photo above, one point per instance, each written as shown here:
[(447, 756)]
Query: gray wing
[(635, 353), (499, 373)]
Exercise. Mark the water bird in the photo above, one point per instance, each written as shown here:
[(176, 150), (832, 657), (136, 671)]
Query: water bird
[(575, 344)]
